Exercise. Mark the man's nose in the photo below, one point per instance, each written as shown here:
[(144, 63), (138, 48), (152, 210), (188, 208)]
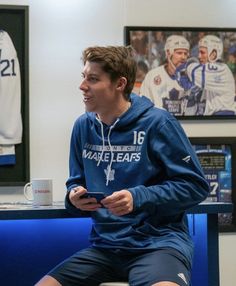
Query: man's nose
[(83, 85)]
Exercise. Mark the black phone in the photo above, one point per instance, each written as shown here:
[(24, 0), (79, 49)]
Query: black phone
[(97, 195)]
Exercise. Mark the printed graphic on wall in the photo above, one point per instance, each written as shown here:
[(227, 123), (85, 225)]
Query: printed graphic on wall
[(189, 71), (217, 163)]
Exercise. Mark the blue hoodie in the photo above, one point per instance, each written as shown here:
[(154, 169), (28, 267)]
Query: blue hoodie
[(147, 152)]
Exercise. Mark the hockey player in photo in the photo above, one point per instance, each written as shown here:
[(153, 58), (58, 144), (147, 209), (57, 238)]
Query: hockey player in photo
[(160, 84), (209, 77)]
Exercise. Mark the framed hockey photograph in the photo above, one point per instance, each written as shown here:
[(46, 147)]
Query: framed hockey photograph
[(191, 72), (217, 156), (14, 95)]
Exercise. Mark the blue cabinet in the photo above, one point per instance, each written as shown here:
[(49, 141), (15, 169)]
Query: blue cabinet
[(33, 241)]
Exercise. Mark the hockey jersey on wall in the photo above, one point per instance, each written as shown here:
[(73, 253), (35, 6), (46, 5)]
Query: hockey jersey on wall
[(10, 95), (10, 92)]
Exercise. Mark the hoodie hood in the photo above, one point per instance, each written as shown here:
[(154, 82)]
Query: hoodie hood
[(139, 106)]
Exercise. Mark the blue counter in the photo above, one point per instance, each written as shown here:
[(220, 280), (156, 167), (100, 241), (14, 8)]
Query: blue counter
[(33, 240)]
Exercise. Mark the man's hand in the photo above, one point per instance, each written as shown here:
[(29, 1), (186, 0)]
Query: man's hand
[(119, 203), (85, 204)]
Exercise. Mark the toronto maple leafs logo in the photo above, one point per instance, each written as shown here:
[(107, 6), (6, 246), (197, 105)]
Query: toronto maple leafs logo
[(110, 173)]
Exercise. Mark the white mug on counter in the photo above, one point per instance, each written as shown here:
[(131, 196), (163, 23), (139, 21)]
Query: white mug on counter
[(39, 191)]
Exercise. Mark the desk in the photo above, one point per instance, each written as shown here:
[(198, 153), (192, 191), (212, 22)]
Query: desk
[(33, 240)]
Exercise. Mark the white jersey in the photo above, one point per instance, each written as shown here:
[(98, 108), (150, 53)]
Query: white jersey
[(218, 85), (163, 91), (10, 92)]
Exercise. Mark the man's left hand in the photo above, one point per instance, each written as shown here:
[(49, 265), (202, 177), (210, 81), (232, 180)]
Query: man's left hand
[(119, 203)]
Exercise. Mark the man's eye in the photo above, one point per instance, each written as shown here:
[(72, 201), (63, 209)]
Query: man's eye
[(93, 79)]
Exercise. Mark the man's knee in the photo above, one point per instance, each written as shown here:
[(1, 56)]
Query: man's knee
[(48, 281), (165, 283)]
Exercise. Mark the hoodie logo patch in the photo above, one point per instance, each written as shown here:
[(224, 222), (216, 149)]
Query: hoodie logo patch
[(186, 159), (121, 154), (107, 155), (182, 276), (110, 174)]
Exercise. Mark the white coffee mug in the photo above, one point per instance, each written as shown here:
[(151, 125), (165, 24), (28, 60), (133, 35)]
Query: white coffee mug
[(39, 191)]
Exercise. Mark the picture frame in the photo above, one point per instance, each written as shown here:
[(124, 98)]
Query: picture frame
[(14, 30), (217, 156), (189, 92)]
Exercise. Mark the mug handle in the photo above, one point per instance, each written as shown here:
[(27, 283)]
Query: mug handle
[(26, 188)]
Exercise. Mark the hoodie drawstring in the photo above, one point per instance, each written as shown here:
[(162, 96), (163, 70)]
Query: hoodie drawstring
[(103, 141), (110, 147)]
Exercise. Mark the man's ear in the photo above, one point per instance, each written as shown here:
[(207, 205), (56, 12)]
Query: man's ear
[(213, 55), (121, 83), (168, 54)]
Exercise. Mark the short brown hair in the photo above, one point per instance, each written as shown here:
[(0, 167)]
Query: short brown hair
[(117, 61)]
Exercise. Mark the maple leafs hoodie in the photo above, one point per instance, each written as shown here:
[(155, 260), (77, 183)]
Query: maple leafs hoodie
[(147, 152)]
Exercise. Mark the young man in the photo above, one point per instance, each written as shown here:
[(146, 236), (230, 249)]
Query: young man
[(160, 84), (141, 159), (211, 77)]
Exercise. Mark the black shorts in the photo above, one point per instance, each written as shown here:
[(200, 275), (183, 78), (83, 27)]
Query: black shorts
[(93, 266)]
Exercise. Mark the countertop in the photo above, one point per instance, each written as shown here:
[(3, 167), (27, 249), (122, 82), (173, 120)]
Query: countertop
[(20, 210)]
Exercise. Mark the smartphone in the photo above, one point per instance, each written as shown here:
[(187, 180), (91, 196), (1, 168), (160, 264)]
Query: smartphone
[(97, 195)]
